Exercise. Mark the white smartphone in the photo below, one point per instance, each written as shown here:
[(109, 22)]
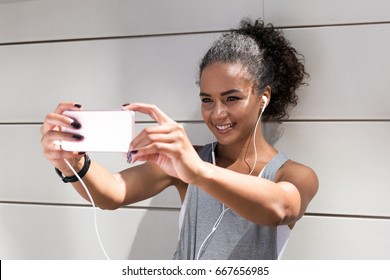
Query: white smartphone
[(103, 131)]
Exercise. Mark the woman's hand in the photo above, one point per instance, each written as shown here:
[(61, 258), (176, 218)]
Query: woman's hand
[(167, 145), (52, 135)]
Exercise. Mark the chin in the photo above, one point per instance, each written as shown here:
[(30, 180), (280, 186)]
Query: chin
[(225, 140)]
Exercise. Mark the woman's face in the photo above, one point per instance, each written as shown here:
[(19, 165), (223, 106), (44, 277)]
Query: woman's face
[(230, 107)]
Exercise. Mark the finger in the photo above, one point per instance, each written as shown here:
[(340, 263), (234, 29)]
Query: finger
[(53, 135), (167, 149), (155, 138), (152, 134), (150, 158), (67, 106), (56, 119), (52, 149), (52, 139), (54, 122), (152, 110)]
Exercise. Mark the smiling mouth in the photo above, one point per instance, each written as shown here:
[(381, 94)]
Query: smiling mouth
[(224, 128)]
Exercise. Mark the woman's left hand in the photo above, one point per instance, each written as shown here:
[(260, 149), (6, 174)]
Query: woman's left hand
[(166, 145)]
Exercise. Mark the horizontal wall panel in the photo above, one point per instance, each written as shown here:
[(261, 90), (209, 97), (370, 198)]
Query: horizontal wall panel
[(106, 74), (330, 238), (350, 159), (352, 174), (102, 75), (55, 232), (349, 72), (72, 19), (26, 175), (320, 12), (68, 233)]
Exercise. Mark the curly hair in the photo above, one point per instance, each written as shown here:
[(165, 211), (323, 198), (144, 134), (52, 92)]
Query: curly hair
[(268, 58)]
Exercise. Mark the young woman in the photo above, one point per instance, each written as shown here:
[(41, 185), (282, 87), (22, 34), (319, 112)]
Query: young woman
[(241, 197)]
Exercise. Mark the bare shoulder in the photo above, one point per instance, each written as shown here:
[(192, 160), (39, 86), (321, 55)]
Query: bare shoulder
[(296, 170), (301, 176)]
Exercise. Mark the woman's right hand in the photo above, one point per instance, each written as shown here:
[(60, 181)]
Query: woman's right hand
[(52, 135)]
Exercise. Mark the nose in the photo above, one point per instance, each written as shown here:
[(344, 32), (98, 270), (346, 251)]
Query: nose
[(220, 112)]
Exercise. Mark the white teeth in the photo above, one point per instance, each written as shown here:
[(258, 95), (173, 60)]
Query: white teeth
[(223, 127)]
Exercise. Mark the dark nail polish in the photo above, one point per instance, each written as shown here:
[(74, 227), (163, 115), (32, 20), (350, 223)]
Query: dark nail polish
[(76, 124), (77, 137), (78, 105), (127, 104), (81, 153), (130, 155)]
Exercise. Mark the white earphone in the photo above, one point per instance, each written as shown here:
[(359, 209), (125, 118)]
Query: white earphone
[(265, 100)]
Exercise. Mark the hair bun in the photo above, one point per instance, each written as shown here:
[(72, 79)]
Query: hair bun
[(284, 67)]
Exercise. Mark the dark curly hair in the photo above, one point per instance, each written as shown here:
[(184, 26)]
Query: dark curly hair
[(269, 59)]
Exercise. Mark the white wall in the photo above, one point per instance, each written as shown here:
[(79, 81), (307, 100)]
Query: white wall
[(106, 53), (341, 126)]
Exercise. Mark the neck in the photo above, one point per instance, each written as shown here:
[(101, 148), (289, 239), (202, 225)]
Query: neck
[(244, 151)]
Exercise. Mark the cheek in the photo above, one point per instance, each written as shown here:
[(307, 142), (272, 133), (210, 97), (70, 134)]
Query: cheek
[(246, 112), (250, 117), (205, 114)]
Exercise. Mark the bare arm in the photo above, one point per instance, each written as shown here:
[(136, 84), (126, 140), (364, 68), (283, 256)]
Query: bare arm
[(259, 200), (111, 191)]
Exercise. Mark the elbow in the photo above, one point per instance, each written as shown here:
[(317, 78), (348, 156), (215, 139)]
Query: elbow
[(274, 217), (109, 205), (283, 215), (268, 218)]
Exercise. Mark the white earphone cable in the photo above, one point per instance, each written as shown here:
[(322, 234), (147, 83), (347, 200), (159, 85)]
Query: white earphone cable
[(93, 205), (217, 222), (254, 142)]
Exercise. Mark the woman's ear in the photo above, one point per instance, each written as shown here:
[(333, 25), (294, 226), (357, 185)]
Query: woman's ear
[(265, 97)]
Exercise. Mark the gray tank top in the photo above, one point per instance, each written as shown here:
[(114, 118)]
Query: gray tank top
[(235, 237)]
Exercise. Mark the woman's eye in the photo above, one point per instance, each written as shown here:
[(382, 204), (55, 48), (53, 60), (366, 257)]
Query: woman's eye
[(206, 100), (232, 98)]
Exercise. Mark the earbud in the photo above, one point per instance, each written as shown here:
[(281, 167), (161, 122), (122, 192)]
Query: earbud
[(265, 100)]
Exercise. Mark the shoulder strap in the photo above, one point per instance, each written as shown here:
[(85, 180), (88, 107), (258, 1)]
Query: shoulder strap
[(274, 165), (269, 171)]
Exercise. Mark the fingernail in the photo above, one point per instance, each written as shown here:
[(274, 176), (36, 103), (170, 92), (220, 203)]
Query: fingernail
[(76, 124), (78, 105), (130, 155), (81, 153), (127, 104), (78, 137)]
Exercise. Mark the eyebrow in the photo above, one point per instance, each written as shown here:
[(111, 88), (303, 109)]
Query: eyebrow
[(230, 91)]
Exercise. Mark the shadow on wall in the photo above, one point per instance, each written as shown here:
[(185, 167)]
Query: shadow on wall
[(273, 131), (156, 236)]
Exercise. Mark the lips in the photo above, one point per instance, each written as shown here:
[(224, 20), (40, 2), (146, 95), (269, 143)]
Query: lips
[(224, 128)]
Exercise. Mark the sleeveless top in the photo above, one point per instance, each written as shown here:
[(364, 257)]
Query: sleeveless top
[(234, 237)]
